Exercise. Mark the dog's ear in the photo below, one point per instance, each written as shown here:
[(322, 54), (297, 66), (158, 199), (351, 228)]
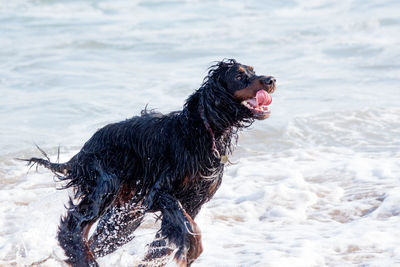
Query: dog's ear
[(222, 81), (218, 74)]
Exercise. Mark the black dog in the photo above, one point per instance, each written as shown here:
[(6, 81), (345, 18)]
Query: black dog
[(169, 163)]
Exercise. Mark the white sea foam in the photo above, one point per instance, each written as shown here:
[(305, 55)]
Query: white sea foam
[(317, 184)]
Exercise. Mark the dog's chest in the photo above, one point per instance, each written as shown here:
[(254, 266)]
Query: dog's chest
[(198, 189)]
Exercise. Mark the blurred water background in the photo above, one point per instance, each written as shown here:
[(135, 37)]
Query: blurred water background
[(317, 184)]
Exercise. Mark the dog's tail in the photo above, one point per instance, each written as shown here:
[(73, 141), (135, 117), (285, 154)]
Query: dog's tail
[(81, 176), (59, 169), (56, 168)]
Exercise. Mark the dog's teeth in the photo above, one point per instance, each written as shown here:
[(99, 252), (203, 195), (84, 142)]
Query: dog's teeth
[(250, 106), (246, 104)]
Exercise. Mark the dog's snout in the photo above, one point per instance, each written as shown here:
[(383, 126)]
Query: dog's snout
[(270, 81)]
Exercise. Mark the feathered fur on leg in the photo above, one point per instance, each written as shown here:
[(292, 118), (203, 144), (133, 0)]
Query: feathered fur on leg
[(75, 226)]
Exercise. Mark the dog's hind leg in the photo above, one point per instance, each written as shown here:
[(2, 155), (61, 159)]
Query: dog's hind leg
[(177, 229), (75, 226)]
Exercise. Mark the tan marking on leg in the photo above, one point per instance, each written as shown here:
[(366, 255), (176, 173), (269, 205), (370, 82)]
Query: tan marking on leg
[(196, 247)]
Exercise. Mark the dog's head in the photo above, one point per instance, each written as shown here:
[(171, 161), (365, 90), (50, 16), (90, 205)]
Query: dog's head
[(240, 81)]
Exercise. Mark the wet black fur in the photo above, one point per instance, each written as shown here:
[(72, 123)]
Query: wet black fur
[(169, 163)]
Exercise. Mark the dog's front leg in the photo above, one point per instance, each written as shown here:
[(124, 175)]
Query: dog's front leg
[(177, 229)]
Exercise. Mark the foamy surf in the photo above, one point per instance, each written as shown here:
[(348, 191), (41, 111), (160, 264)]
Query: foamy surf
[(307, 202)]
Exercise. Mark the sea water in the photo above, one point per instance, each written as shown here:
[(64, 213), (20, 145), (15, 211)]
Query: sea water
[(316, 184)]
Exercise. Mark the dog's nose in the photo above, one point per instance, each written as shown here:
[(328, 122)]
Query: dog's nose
[(270, 81)]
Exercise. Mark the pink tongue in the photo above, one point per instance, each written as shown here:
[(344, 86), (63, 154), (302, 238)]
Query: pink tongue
[(263, 98)]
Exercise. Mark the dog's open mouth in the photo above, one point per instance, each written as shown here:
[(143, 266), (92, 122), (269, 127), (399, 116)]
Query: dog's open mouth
[(259, 104)]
